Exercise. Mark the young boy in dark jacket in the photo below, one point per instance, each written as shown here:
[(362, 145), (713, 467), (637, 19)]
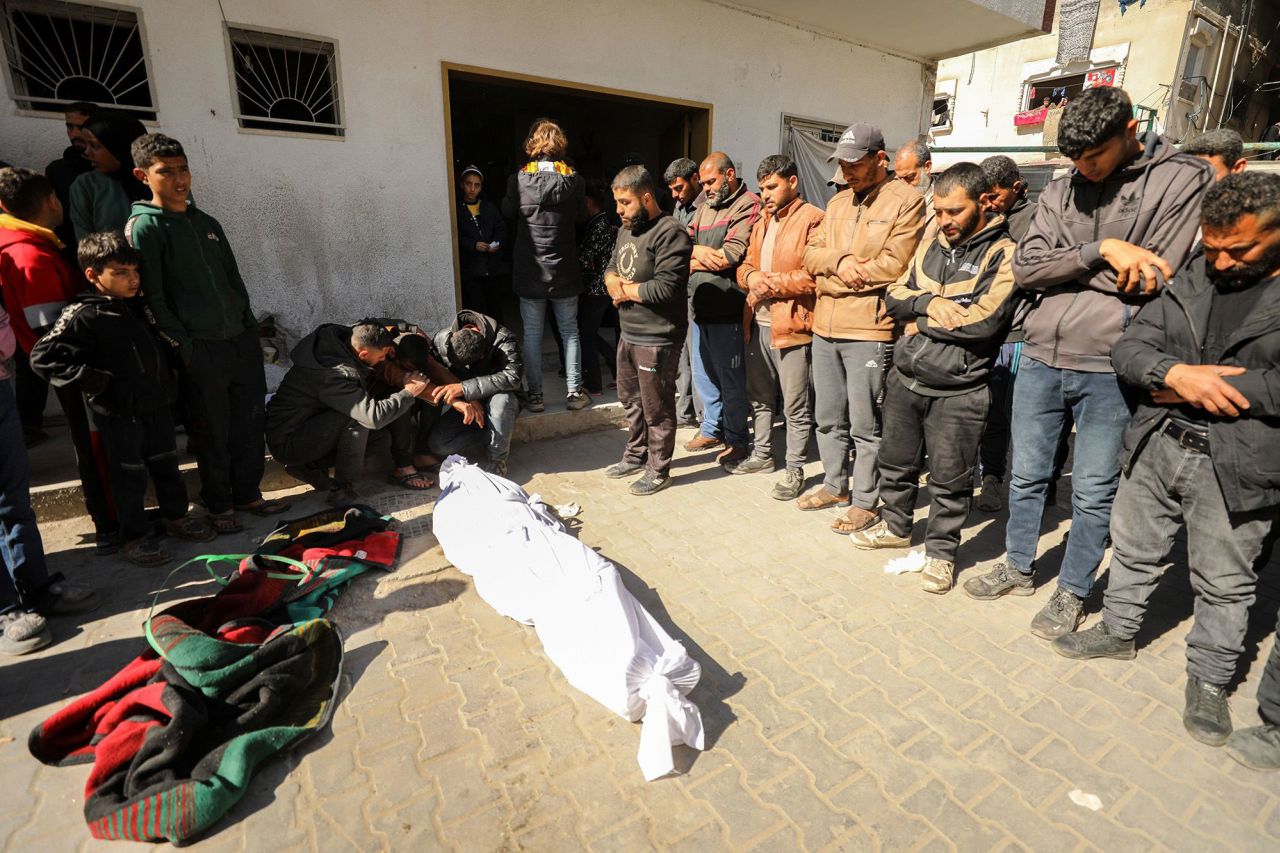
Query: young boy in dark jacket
[(103, 346), (200, 307)]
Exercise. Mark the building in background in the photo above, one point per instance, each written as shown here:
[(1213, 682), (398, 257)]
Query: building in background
[(1189, 65), (325, 135)]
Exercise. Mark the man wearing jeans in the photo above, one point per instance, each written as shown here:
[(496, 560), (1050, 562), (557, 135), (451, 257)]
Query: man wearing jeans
[(720, 230), (685, 186), (1202, 448), (1102, 241), (866, 242)]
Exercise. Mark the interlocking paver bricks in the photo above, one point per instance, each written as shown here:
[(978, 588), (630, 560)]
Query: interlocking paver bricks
[(845, 709)]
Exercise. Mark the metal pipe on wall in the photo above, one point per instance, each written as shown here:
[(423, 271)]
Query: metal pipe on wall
[(1235, 57)]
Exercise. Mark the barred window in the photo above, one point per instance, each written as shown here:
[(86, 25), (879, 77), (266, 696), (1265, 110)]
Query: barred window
[(285, 83), (57, 53)]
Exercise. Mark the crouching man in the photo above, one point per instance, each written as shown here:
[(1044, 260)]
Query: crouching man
[(476, 413), (1201, 450), (323, 412)]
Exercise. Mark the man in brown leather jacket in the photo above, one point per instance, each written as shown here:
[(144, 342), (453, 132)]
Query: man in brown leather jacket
[(866, 241), (779, 320)]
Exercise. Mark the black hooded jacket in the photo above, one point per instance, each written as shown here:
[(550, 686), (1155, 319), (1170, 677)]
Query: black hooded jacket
[(546, 200), (499, 370), (106, 348)]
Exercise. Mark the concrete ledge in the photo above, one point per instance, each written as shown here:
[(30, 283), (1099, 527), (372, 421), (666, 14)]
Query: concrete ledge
[(63, 500)]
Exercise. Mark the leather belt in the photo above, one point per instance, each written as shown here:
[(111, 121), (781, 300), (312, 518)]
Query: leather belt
[(1188, 438)]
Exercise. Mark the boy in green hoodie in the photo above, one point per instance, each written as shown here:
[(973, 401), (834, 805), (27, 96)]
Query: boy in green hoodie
[(200, 308)]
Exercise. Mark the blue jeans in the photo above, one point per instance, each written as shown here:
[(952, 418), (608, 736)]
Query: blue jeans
[(450, 435), (720, 380), (1042, 398), (21, 549), (532, 313)]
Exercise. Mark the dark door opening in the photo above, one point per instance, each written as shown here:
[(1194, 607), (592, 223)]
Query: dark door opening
[(489, 113)]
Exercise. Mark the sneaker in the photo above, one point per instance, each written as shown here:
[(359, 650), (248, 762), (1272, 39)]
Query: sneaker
[(22, 632), (1001, 580), (1257, 747), (789, 487), (1097, 642), (1062, 615), (1207, 717), (577, 400), (105, 543), (650, 483), (938, 577), (339, 495), (750, 465), (190, 528), (623, 469), (65, 597), (702, 442), (731, 456), (496, 467), (533, 403), (878, 536), (685, 424), (990, 499), (145, 552)]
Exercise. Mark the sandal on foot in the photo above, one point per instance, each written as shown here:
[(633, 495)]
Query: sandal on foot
[(263, 507), (822, 498), (406, 481), (191, 528), (146, 553), (854, 520), (226, 522)]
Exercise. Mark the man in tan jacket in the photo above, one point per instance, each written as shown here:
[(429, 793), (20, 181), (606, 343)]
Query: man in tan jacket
[(866, 242), (779, 319)]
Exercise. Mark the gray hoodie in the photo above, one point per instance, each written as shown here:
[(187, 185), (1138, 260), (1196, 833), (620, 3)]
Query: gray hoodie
[(1153, 202)]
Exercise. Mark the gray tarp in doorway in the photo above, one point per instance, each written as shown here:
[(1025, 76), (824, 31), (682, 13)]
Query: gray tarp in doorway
[(810, 154)]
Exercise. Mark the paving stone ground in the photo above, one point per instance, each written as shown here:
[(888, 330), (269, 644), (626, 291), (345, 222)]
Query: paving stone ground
[(845, 709)]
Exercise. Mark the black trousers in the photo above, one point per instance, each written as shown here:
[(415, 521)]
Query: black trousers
[(91, 461), (226, 390), (949, 430), (409, 433), (484, 295), (32, 392), (137, 447), (593, 311), (647, 390)]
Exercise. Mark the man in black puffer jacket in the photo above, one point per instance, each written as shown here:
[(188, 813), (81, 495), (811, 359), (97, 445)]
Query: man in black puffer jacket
[(1202, 450), (485, 358), (956, 301)]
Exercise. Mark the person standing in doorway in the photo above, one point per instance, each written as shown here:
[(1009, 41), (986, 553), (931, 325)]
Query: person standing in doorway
[(595, 306), (482, 234), (547, 198)]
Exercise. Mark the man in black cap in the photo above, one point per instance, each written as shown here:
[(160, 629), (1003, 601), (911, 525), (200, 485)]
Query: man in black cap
[(482, 232)]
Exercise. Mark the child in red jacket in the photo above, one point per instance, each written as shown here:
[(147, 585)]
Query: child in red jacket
[(37, 284)]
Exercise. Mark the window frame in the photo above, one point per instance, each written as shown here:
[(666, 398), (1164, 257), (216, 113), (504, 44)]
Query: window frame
[(147, 115), (330, 131)]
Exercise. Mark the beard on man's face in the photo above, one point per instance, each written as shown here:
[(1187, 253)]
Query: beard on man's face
[(634, 222), (1241, 276)]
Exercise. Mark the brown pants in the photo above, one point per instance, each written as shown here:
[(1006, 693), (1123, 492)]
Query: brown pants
[(647, 390)]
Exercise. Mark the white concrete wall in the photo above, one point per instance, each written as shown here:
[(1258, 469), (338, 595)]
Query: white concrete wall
[(333, 229)]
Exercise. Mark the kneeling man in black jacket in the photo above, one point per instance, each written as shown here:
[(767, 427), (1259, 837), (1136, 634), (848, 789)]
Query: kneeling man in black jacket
[(1202, 449)]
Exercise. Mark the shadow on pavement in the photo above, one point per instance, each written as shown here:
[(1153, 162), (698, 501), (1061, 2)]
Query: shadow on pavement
[(57, 678)]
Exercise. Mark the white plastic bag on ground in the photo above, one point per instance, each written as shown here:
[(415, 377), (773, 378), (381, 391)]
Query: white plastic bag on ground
[(606, 644)]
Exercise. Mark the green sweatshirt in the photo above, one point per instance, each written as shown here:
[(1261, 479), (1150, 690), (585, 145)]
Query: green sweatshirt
[(189, 276)]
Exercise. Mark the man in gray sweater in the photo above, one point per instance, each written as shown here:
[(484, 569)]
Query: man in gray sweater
[(1102, 242)]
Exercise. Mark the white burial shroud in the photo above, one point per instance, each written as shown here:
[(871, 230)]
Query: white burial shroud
[(607, 645)]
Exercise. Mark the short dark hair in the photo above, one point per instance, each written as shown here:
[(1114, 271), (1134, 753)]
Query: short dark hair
[(776, 164), (370, 334), (1001, 170), (1094, 117), (22, 191), (968, 176), (598, 191), (681, 168), (1240, 195), (918, 150), (413, 348), (100, 248), (150, 147), (636, 179), (467, 345), (83, 107), (1223, 142)]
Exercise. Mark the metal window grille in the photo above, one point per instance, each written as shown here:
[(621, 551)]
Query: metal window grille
[(285, 83), (57, 53)]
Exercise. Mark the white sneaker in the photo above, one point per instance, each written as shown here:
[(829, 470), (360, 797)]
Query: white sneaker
[(938, 576), (878, 536)]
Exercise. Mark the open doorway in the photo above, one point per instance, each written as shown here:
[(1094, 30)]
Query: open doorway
[(488, 113)]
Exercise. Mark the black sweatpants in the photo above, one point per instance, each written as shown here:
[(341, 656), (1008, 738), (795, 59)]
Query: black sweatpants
[(647, 390), (91, 462), (226, 391), (949, 430), (138, 446), (31, 391), (593, 310)]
